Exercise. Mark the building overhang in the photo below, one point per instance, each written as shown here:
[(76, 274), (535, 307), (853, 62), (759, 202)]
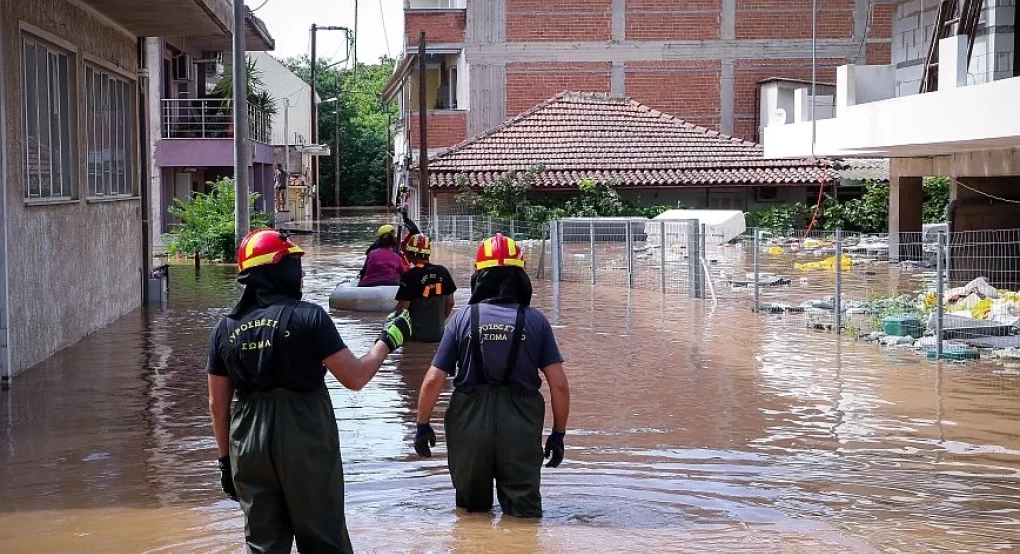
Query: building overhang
[(211, 19), (871, 122)]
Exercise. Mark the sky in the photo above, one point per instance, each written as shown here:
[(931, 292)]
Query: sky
[(289, 22)]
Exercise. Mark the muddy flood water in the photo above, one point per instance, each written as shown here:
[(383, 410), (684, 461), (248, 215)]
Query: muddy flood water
[(692, 430)]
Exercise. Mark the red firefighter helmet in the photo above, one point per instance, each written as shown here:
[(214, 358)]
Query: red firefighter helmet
[(419, 244), (264, 247), (499, 251)]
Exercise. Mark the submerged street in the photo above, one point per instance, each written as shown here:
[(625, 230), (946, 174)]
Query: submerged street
[(692, 430)]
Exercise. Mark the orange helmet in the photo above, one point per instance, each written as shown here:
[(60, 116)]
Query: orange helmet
[(264, 247), (419, 244), (498, 251)]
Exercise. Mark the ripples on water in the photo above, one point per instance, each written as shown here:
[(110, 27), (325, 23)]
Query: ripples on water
[(692, 430)]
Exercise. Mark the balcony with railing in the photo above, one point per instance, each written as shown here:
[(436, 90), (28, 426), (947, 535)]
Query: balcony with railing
[(210, 118), (200, 133)]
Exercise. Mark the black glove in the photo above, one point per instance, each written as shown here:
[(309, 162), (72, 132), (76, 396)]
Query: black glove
[(424, 437), (554, 448), (397, 331), (227, 478)]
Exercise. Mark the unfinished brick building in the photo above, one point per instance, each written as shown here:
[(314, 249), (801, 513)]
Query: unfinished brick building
[(701, 60)]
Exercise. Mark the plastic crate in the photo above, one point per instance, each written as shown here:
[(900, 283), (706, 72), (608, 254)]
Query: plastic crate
[(903, 326)]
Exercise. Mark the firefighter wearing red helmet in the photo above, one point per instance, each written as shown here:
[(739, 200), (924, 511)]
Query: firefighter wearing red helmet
[(279, 451), (496, 352), (426, 291)]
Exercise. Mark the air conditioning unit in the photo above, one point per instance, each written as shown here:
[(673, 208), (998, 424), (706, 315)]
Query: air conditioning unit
[(182, 64)]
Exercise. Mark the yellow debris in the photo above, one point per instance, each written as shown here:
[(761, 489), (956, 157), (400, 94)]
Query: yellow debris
[(813, 243), (981, 309), (775, 251), (827, 264)]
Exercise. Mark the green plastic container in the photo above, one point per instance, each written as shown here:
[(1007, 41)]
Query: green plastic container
[(956, 354), (903, 326)]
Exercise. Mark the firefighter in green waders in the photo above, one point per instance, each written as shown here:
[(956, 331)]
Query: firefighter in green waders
[(279, 447), (495, 351)]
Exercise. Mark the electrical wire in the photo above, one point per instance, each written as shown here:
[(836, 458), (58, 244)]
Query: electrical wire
[(262, 5), (985, 194), (386, 36), (818, 205)]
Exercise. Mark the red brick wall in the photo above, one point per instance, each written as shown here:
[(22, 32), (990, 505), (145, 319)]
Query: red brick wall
[(561, 6), (770, 19), (672, 26), (532, 27), (880, 24), (748, 73), (445, 129), (879, 54), (528, 84), (441, 27), (688, 90)]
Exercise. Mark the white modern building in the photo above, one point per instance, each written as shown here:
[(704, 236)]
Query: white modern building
[(967, 128)]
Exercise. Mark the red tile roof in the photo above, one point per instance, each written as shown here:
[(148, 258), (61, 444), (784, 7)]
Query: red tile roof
[(613, 138)]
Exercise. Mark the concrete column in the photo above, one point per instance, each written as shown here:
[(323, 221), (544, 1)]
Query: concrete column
[(728, 20), (619, 78), (154, 94), (906, 199), (619, 21)]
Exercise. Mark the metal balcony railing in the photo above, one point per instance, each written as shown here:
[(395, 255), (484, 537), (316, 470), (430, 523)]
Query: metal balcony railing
[(208, 118)]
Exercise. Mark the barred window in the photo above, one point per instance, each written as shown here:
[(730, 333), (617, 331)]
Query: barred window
[(109, 162), (48, 151)]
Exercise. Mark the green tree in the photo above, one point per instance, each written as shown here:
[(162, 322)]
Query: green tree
[(508, 197), (207, 223), (595, 199), (363, 129), (936, 199)]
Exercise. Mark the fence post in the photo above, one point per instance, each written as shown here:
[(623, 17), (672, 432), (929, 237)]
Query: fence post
[(940, 286), (693, 258), (662, 253), (591, 248), (554, 239), (757, 269), (630, 256), (702, 236), (453, 227), (489, 218), (837, 306), (471, 228)]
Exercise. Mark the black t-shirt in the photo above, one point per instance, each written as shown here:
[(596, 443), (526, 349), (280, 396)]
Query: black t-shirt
[(426, 288), (243, 349)]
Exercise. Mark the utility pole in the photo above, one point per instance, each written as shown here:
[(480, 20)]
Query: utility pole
[(242, 223), (336, 143), (423, 152), (286, 149), (317, 206)]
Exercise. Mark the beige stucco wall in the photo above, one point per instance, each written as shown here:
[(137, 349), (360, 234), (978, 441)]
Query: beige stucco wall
[(72, 268)]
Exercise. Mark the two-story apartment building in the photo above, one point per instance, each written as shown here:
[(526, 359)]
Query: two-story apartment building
[(192, 139), (966, 125), (73, 156), (700, 60)]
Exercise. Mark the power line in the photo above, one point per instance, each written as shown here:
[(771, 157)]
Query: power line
[(386, 36), (982, 193), (260, 6)]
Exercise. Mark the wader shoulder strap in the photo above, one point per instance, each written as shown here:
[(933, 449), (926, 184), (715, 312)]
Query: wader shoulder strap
[(478, 368), (476, 345)]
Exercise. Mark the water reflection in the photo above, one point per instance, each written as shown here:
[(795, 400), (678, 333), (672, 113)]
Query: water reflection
[(692, 430)]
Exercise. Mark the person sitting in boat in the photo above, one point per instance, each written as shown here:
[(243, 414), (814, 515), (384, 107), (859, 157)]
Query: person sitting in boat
[(383, 265), (426, 291)]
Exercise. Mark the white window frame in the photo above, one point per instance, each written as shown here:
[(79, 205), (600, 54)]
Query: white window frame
[(61, 103), (109, 127)]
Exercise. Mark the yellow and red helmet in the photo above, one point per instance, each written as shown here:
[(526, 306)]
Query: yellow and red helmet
[(419, 244), (499, 251), (264, 247)]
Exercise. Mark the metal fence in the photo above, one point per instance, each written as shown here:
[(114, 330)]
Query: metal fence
[(963, 287), (210, 118)]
